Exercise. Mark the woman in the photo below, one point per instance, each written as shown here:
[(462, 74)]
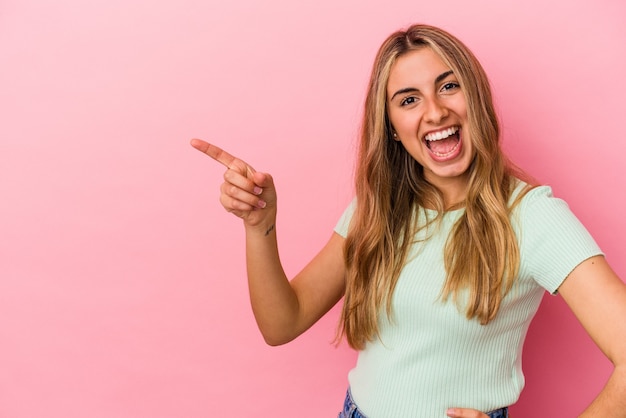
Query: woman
[(444, 254)]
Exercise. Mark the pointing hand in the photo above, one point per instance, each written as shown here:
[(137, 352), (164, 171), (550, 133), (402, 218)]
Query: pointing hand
[(245, 193)]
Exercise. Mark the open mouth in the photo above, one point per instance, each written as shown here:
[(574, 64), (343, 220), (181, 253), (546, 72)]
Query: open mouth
[(445, 142)]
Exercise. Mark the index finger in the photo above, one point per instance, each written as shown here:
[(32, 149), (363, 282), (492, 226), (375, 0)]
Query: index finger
[(218, 154)]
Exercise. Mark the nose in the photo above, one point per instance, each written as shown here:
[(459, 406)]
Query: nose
[(435, 111)]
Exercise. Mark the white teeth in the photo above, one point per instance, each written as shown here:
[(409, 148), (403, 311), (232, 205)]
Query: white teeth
[(436, 136)]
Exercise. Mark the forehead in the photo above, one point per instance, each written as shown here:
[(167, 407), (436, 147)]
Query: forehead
[(418, 68)]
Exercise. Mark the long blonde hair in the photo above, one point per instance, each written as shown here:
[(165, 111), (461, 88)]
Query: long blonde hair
[(481, 253)]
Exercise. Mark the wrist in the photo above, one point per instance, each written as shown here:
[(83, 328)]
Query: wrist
[(264, 229)]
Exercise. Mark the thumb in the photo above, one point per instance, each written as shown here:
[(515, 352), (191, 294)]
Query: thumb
[(263, 180)]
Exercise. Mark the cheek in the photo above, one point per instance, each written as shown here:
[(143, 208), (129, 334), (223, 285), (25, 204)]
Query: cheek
[(406, 123), (393, 119), (460, 109)]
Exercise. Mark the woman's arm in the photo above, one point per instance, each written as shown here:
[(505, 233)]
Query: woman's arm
[(283, 309), (598, 299)]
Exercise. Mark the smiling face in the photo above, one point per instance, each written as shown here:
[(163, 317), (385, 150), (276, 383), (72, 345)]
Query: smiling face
[(427, 110)]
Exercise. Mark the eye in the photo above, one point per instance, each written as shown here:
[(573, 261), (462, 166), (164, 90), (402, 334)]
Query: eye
[(408, 101), (449, 86)]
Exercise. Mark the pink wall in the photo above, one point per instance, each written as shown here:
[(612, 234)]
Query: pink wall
[(122, 290)]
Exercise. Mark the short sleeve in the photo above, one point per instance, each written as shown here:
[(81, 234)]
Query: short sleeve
[(553, 242), (344, 221)]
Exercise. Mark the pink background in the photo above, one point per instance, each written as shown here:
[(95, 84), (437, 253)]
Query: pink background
[(123, 291)]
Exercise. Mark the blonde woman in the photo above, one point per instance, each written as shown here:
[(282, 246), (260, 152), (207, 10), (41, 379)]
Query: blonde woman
[(444, 254)]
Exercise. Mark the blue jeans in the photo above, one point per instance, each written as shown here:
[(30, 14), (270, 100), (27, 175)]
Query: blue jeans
[(350, 410)]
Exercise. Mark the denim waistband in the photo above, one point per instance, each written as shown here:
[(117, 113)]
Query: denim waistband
[(350, 410), (499, 413)]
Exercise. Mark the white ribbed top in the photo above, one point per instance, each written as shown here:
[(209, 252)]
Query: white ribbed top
[(430, 357)]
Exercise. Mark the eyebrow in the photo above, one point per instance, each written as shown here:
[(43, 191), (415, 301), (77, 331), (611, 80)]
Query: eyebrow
[(439, 78)]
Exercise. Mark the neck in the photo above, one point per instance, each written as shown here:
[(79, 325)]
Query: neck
[(454, 191)]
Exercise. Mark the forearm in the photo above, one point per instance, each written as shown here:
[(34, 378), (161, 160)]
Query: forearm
[(611, 402), (273, 300)]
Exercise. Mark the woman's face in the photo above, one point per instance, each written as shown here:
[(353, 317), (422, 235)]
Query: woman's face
[(428, 113)]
